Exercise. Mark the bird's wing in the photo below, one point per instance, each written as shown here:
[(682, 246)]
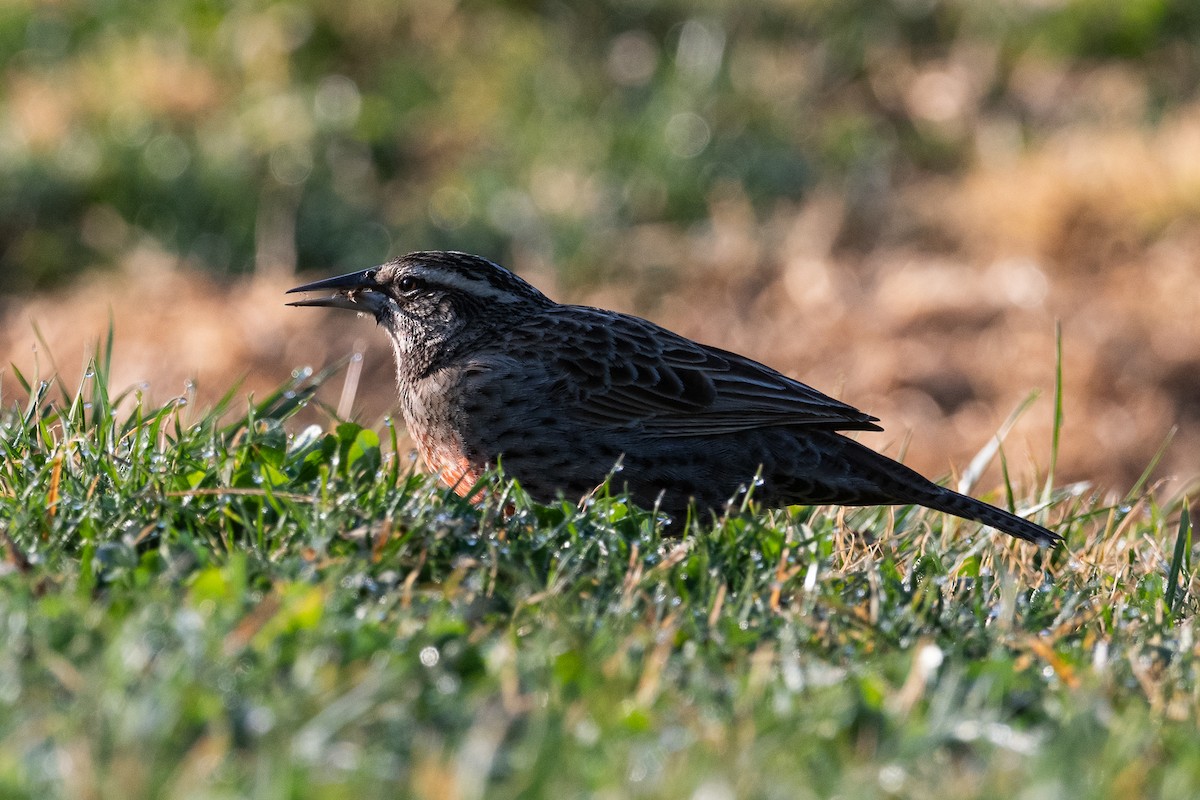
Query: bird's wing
[(622, 370)]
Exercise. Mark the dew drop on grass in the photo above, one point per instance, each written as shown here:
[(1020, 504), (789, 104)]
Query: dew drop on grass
[(259, 720), (429, 656), (587, 732), (892, 778)]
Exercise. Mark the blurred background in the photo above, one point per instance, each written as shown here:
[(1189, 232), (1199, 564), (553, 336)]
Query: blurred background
[(893, 200)]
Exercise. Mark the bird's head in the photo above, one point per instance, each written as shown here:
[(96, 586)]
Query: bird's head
[(431, 301)]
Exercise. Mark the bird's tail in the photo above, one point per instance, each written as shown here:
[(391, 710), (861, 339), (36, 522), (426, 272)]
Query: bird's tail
[(900, 485), (969, 508)]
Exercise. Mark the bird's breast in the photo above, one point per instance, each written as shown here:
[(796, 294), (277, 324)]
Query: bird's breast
[(432, 410)]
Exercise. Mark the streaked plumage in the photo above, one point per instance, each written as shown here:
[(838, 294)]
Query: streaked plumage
[(490, 369)]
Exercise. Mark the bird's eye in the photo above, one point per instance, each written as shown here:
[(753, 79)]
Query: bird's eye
[(408, 284)]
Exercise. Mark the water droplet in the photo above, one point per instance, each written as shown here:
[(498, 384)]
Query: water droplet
[(429, 656)]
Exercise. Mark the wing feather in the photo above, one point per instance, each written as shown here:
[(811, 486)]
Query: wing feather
[(623, 370)]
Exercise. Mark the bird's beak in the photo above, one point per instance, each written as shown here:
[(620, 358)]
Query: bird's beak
[(356, 291)]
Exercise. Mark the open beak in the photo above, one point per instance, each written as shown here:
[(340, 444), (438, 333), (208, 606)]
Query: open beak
[(355, 291)]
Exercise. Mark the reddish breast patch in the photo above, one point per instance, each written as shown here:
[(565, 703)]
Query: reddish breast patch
[(450, 464)]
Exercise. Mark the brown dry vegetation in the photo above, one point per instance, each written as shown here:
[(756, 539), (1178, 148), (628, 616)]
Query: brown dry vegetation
[(940, 328), (931, 301)]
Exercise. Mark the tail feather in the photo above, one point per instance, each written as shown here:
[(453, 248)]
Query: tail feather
[(899, 485), (969, 508)]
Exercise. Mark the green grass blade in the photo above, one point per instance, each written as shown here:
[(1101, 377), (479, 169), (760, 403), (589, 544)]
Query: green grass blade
[(1183, 549), (1058, 412), (36, 398), (1140, 484), (987, 453), (25, 385)]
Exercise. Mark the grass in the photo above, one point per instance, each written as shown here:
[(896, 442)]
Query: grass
[(217, 603)]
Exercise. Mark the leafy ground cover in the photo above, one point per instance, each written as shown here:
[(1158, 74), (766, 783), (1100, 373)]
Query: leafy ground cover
[(221, 603)]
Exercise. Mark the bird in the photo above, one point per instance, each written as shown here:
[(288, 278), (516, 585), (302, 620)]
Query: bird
[(492, 372)]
